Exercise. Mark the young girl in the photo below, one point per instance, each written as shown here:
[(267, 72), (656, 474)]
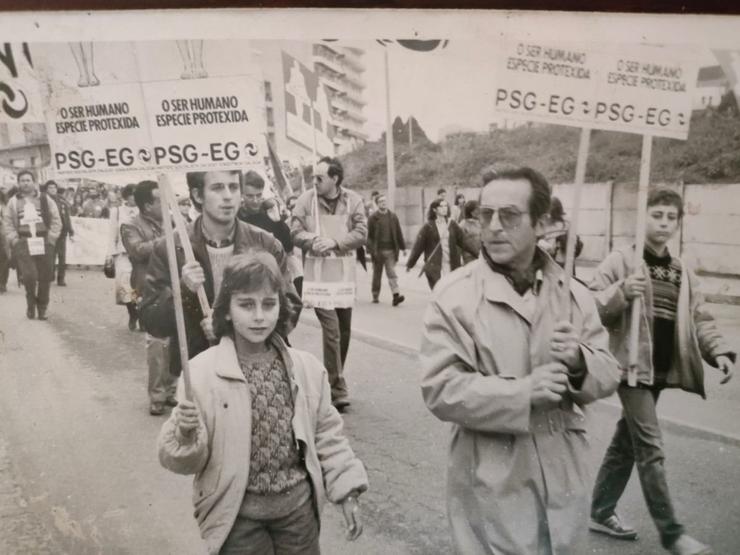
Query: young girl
[(261, 435)]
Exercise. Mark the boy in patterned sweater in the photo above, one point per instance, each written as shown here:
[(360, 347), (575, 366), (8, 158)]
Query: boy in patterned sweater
[(676, 333)]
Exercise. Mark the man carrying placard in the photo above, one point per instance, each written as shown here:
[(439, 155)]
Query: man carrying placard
[(32, 227)]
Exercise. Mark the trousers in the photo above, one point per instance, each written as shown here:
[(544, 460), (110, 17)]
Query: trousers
[(162, 385), (384, 259), (336, 329)]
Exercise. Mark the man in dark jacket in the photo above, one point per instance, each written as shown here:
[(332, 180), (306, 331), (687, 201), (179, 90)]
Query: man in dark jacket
[(60, 254), (216, 236), (384, 241), (139, 237)]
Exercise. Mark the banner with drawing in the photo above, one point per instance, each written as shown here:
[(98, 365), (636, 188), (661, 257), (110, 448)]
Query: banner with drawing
[(89, 246), (330, 281), (175, 105)]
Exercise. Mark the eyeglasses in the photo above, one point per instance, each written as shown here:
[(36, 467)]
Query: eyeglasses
[(509, 216)]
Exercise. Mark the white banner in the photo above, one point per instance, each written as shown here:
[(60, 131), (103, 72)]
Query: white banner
[(20, 101), (89, 246), (634, 89), (151, 106), (329, 282)]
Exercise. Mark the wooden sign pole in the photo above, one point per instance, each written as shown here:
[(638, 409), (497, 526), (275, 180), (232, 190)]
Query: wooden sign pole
[(642, 194)]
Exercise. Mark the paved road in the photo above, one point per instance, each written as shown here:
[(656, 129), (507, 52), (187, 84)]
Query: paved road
[(80, 443)]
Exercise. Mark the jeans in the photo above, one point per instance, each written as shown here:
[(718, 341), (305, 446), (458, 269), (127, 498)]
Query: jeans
[(60, 258), (161, 384), (384, 259), (637, 440), (336, 328), (294, 534)]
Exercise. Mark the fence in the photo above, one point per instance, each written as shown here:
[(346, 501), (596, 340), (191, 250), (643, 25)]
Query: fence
[(708, 238)]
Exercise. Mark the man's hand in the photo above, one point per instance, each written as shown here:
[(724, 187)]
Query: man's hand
[(351, 510), (207, 325), (322, 245), (187, 418), (548, 384), (634, 286), (193, 276), (565, 345), (726, 366)]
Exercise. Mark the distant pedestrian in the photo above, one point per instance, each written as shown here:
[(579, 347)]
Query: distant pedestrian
[(60, 252), (271, 451), (384, 242), (676, 332), (441, 240), (124, 288), (510, 373), (441, 195), (470, 226), (32, 226), (139, 236), (554, 238), (4, 246), (456, 212)]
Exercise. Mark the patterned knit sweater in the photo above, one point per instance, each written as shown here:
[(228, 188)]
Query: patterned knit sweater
[(665, 278), (275, 462)]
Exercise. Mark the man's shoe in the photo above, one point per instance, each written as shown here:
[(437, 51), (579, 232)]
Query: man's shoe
[(62, 283), (156, 409), (686, 545), (132, 323), (31, 312), (340, 404), (171, 402), (398, 299), (613, 526), (42, 314), (3, 288), (375, 300)]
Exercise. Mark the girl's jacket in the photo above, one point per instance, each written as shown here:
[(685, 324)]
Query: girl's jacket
[(219, 452), (696, 336)]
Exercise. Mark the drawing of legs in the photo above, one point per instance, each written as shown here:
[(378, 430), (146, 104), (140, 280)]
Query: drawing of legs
[(83, 53), (191, 53)]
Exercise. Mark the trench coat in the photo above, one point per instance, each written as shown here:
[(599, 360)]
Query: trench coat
[(518, 481), (696, 335), (220, 452)]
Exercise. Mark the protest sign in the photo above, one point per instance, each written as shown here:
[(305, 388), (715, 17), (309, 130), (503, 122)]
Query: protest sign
[(128, 107), (20, 100), (330, 281), (90, 244), (640, 89)]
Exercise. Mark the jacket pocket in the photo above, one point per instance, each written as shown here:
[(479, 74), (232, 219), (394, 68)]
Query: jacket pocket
[(206, 482)]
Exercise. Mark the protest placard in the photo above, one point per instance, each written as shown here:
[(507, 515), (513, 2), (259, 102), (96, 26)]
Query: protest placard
[(89, 247), (20, 100), (635, 89)]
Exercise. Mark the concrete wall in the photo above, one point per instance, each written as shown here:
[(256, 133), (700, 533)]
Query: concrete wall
[(709, 236)]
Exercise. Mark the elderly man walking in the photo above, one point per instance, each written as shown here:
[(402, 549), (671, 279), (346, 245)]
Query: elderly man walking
[(510, 370)]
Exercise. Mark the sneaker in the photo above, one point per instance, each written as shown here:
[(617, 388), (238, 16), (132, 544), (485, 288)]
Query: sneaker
[(156, 409), (686, 545), (171, 402), (341, 404), (613, 526), (398, 299)]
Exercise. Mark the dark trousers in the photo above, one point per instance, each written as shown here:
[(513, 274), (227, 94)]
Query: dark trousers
[(294, 534), (384, 259), (36, 273), (336, 328), (60, 258), (4, 264), (637, 440)]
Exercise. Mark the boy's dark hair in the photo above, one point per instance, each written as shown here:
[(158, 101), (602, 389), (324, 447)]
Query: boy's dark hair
[(539, 198), (43, 188), (441, 192), (253, 179), (557, 212), (128, 190), (246, 273), (374, 195), (196, 180), (335, 168), (25, 172), (143, 193), (666, 197)]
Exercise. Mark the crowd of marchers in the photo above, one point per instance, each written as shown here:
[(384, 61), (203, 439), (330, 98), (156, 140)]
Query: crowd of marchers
[(512, 352)]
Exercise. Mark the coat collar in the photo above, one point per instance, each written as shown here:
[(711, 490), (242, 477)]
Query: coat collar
[(227, 361)]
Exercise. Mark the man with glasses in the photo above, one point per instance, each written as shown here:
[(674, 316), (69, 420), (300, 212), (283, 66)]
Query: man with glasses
[(329, 197), (509, 358)]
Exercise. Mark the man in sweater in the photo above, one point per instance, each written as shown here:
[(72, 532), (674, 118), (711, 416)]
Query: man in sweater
[(330, 198), (676, 332), (384, 241), (32, 226), (216, 236), (139, 236), (60, 252)]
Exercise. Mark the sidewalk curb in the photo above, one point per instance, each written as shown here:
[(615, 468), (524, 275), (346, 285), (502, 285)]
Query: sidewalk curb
[(671, 425)]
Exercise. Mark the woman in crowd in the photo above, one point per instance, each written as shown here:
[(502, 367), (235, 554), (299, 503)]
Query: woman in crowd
[(260, 434), (441, 240), (117, 254), (554, 240), (470, 226), (457, 211)]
